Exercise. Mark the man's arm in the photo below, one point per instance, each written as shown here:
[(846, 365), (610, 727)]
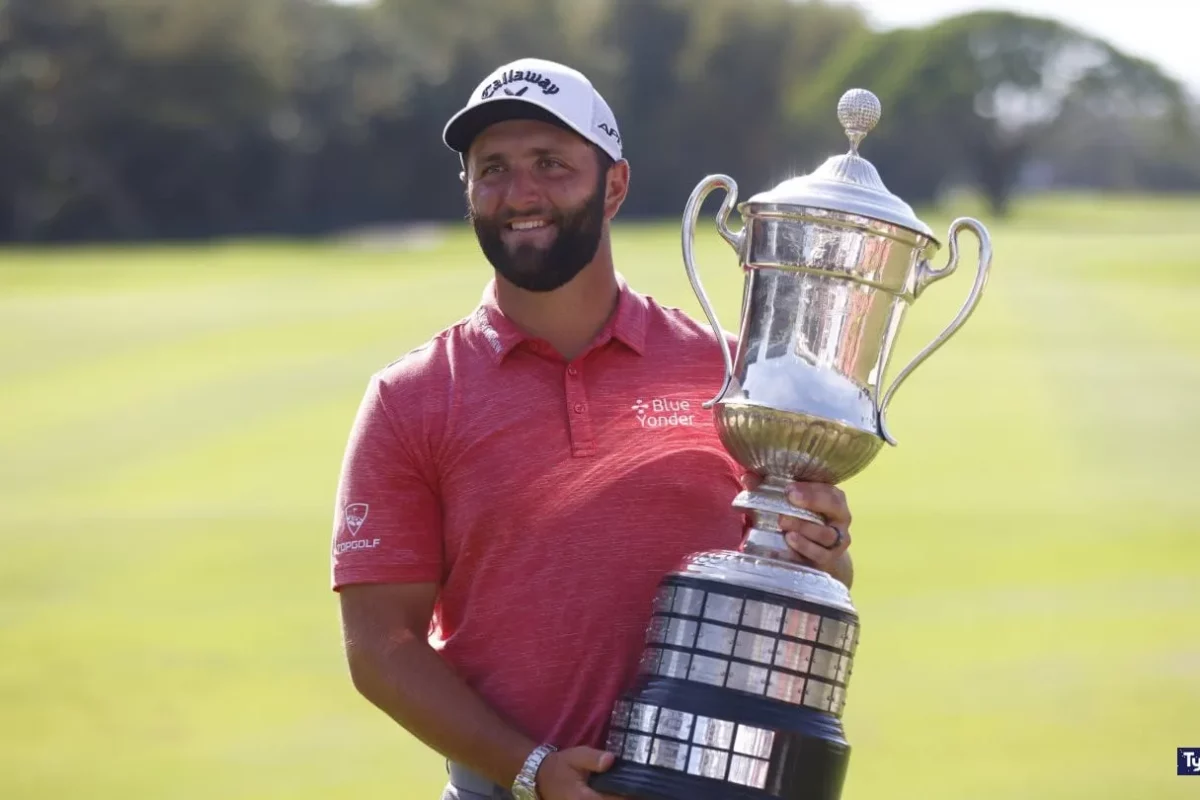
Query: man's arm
[(392, 665), (386, 497)]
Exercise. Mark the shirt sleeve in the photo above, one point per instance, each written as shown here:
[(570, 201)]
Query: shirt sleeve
[(387, 525)]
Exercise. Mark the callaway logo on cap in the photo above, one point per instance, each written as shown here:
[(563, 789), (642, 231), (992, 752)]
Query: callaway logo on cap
[(532, 88)]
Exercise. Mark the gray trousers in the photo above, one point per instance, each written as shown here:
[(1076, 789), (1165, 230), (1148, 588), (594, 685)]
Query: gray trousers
[(453, 793), (466, 785)]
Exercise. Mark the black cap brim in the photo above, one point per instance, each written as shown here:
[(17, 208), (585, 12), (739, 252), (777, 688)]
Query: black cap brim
[(463, 129)]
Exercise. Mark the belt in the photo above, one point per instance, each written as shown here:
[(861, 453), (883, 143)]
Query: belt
[(465, 780)]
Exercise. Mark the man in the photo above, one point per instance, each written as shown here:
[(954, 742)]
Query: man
[(506, 510)]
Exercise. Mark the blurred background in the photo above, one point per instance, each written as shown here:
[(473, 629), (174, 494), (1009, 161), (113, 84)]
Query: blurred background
[(220, 217), (132, 119)]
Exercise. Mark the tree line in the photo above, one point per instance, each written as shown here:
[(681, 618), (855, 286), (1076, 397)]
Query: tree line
[(137, 119)]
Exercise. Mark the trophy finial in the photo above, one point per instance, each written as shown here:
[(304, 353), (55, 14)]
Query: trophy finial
[(858, 111), (846, 182)]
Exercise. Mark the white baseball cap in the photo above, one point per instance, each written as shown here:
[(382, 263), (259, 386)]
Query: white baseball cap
[(533, 88)]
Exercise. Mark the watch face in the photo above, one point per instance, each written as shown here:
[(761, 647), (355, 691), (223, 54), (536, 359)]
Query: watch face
[(522, 792)]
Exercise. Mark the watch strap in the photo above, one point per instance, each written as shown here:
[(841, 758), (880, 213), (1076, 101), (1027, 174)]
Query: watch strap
[(525, 786)]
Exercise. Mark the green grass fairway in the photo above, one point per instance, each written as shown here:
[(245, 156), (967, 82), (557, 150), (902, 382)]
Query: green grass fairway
[(171, 428)]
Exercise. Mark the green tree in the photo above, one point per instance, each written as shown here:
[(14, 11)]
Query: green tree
[(158, 118), (701, 85), (973, 97), (135, 117)]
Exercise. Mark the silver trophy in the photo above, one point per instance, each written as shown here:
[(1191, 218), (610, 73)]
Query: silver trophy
[(748, 654)]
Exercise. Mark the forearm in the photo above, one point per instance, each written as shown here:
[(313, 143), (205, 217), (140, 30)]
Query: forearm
[(410, 682)]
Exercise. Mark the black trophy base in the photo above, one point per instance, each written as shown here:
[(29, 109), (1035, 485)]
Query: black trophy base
[(640, 782), (650, 783), (738, 698), (805, 758)]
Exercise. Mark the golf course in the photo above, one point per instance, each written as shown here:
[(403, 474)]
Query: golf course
[(172, 421)]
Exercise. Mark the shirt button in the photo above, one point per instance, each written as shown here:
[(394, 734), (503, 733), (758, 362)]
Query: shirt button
[(572, 371), (579, 408)]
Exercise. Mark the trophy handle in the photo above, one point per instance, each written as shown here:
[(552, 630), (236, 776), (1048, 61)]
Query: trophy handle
[(690, 214), (927, 275)]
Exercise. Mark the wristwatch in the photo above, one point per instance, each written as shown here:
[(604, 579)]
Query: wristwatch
[(525, 786)]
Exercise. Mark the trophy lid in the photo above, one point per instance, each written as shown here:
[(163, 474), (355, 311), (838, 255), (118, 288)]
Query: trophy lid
[(848, 182)]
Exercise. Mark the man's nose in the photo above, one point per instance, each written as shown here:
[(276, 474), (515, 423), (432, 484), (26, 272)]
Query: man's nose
[(523, 189)]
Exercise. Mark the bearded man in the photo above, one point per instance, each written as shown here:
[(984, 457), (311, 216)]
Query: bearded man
[(505, 513)]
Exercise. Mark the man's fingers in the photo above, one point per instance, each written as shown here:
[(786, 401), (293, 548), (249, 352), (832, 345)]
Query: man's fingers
[(824, 499), (588, 758), (822, 535), (591, 794), (821, 557), (587, 793), (750, 481)]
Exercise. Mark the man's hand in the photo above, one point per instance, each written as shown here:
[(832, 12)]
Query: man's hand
[(564, 774), (821, 546)]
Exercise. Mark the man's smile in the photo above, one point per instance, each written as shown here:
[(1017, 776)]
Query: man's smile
[(529, 231), (527, 224)]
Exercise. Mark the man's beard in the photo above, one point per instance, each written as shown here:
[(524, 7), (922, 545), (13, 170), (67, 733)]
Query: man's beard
[(538, 269)]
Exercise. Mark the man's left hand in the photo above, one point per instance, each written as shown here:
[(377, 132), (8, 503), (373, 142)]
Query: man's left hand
[(821, 546)]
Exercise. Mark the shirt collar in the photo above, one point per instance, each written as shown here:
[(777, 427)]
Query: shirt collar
[(501, 335)]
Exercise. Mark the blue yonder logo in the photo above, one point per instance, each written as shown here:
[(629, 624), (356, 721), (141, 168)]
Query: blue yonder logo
[(1189, 761)]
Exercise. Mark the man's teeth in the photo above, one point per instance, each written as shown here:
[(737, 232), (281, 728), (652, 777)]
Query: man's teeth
[(524, 226)]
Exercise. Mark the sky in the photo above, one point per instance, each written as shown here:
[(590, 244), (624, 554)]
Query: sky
[(1148, 29)]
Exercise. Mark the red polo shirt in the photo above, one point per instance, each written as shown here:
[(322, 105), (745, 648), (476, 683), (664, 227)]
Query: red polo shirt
[(547, 499)]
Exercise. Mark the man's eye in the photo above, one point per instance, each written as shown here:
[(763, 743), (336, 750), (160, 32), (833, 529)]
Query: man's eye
[(551, 162), (489, 169)]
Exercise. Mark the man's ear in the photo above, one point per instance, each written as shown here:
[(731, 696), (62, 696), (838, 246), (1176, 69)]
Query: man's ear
[(616, 187), (462, 176)]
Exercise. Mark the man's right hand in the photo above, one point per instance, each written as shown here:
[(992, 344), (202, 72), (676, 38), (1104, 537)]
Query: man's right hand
[(564, 774)]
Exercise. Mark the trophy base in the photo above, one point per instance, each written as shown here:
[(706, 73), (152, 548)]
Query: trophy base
[(645, 783), (793, 756), (740, 688), (773, 579)]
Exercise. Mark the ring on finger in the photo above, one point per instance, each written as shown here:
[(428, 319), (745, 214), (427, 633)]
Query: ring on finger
[(837, 542)]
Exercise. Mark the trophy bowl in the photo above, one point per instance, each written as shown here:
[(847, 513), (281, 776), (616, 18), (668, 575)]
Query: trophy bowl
[(748, 653)]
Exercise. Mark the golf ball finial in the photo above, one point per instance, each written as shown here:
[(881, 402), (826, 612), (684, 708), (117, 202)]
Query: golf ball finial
[(858, 111)]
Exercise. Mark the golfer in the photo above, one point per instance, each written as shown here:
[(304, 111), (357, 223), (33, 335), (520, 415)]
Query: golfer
[(514, 489)]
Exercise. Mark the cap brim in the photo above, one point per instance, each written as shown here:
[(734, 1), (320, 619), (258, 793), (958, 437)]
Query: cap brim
[(464, 126)]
